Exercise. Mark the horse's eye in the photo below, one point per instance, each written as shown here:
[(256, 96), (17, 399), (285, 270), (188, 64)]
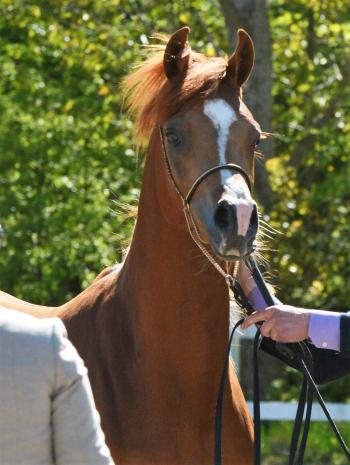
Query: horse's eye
[(172, 138)]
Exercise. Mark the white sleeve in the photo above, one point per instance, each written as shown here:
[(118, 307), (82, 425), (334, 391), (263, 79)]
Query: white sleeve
[(77, 437)]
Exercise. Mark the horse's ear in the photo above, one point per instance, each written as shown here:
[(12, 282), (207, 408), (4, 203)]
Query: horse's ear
[(177, 54), (241, 61)]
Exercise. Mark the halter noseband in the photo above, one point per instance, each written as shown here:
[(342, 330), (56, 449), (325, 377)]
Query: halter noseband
[(186, 199), (214, 169)]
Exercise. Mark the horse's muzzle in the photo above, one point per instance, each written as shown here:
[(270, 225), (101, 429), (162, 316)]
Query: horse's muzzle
[(236, 225)]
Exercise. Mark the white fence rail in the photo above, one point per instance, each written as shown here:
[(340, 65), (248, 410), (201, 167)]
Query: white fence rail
[(271, 410)]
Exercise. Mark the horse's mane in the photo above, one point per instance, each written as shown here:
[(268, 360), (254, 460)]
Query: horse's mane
[(152, 98)]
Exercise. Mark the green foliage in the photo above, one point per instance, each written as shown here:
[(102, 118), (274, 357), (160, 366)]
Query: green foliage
[(322, 447), (66, 150), (311, 169)]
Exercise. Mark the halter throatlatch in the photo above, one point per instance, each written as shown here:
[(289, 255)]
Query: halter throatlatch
[(186, 200)]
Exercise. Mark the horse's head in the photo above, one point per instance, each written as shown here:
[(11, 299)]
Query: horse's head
[(213, 128)]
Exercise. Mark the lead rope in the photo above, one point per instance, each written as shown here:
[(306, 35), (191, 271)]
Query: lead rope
[(324, 408), (303, 357), (298, 422), (219, 402), (305, 398), (256, 400), (302, 446)]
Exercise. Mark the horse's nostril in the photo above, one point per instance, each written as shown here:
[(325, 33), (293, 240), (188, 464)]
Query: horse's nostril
[(223, 216), (254, 222)]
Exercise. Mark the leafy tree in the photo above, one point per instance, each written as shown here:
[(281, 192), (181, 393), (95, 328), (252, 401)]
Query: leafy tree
[(65, 147), (311, 172), (68, 166), (311, 168)]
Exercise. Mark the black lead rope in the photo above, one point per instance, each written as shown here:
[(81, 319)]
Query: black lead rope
[(298, 423), (256, 402), (220, 399), (307, 421), (317, 393), (305, 398), (302, 355)]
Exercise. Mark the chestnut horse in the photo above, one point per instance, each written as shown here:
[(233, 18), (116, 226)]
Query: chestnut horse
[(154, 330)]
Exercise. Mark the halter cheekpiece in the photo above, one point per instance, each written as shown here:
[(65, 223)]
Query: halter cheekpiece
[(186, 202)]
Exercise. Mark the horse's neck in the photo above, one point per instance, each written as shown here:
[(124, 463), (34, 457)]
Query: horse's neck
[(162, 327), (178, 295)]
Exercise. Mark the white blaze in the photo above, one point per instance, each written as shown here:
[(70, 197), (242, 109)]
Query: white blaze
[(222, 115)]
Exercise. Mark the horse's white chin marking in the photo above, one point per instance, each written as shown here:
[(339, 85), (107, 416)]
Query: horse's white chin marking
[(230, 252)]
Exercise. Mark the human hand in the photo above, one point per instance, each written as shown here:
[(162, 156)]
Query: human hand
[(283, 323)]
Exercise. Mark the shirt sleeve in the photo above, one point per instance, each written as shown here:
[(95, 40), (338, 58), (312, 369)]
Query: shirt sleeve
[(324, 326), (257, 300), (76, 433), (324, 329)]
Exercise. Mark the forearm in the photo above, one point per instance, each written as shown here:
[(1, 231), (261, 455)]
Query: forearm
[(330, 330)]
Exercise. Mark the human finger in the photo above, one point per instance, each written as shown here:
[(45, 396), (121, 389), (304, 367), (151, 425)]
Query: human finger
[(256, 317), (267, 328)]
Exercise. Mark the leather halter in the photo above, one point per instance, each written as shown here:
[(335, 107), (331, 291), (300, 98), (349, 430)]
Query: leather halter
[(186, 200)]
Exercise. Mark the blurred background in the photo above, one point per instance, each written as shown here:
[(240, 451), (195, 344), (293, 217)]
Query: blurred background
[(70, 174)]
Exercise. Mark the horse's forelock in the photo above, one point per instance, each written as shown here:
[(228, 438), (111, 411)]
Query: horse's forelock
[(152, 98)]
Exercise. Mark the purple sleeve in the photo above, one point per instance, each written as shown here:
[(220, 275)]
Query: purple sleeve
[(324, 329), (257, 300), (324, 326)]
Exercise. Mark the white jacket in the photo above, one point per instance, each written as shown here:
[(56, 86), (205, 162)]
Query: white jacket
[(47, 412)]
